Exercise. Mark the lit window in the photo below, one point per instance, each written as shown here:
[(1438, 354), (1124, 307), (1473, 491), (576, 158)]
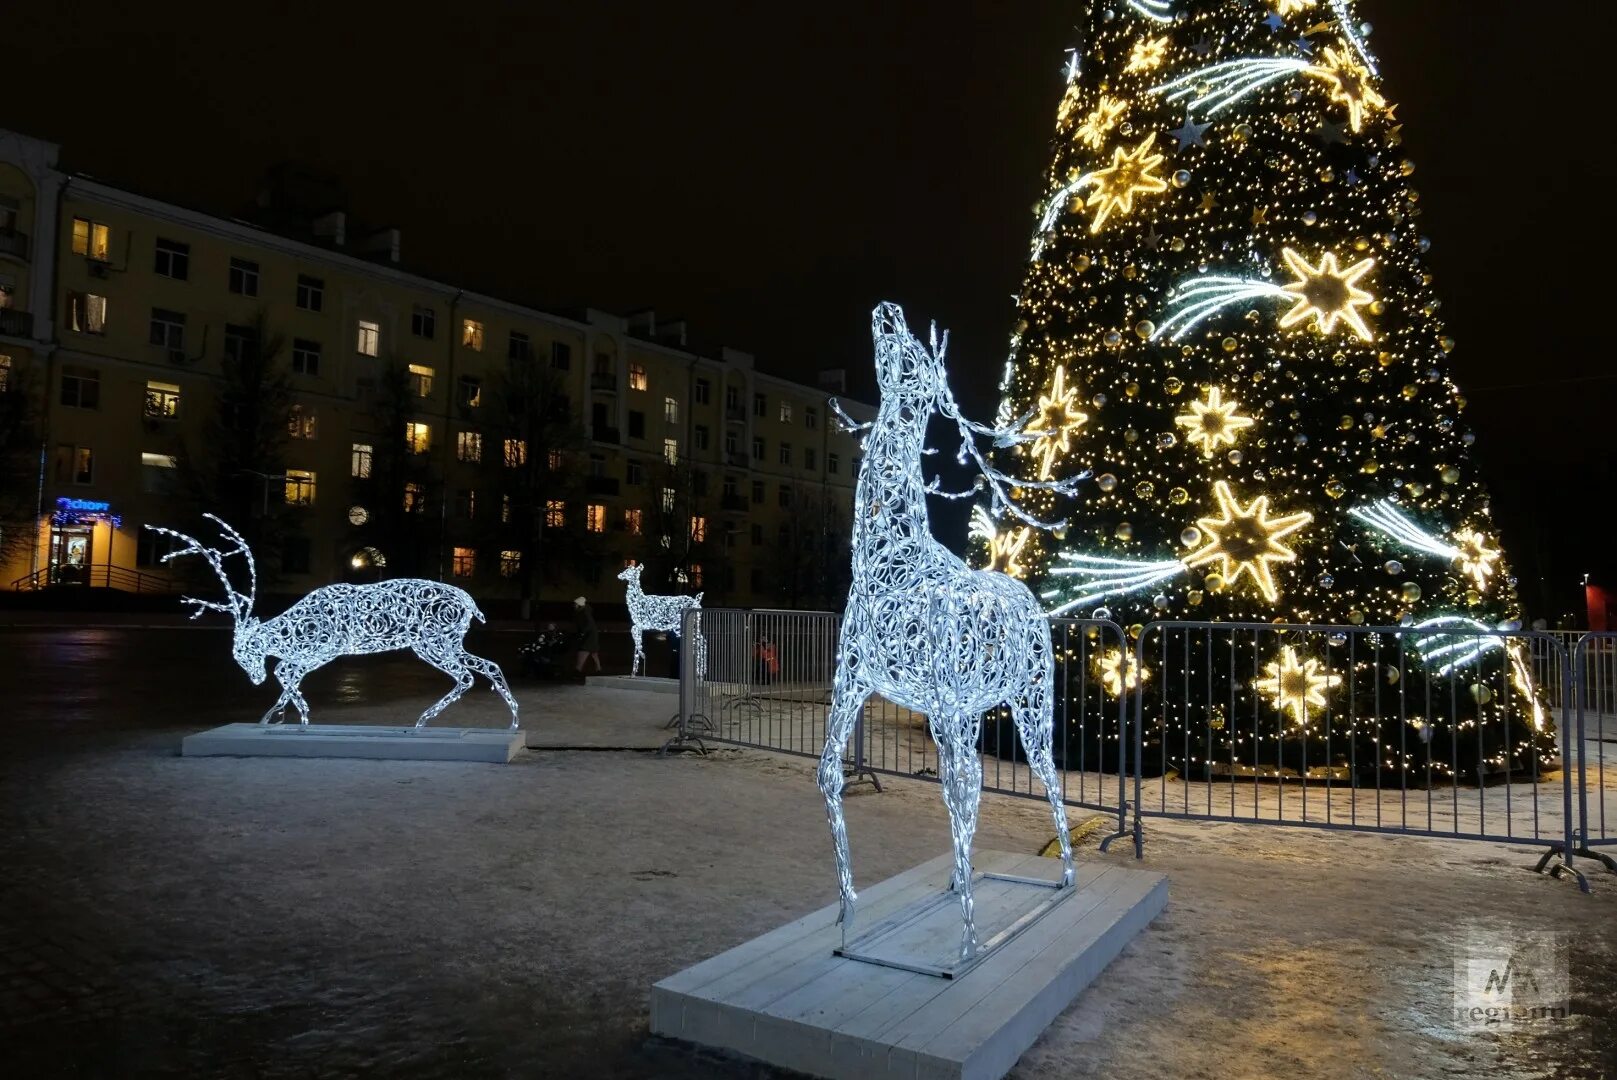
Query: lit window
[(417, 437), (471, 335), (173, 259), (785, 453), (359, 460), (465, 562), (637, 375), (633, 522), (87, 312), (696, 575), (244, 277), (553, 460), (300, 422), (421, 380), (505, 509), (471, 392), (832, 463), (595, 517), (510, 563), (703, 392), (299, 487), (5, 373), (423, 322), (786, 412), (698, 529), (516, 453), (155, 471), (811, 418), (369, 340), (91, 238), (668, 500), (555, 513), (311, 295), (469, 446), (80, 462), (305, 357), (162, 400), (466, 504), (81, 388), (415, 498), (671, 451), (670, 410)]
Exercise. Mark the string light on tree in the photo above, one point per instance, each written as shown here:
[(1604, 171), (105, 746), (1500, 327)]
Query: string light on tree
[(1295, 685), (1213, 423)]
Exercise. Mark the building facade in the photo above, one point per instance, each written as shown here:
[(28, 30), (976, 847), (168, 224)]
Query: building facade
[(130, 323)]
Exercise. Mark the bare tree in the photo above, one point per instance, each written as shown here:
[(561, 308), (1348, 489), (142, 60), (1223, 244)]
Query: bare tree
[(395, 483), (678, 543), (19, 465)]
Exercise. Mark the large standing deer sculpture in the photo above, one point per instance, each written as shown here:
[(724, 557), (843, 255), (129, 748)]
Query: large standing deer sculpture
[(427, 617), (922, 629), (664, 613)]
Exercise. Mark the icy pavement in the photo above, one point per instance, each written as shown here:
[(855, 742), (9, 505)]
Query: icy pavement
[(284, 918)]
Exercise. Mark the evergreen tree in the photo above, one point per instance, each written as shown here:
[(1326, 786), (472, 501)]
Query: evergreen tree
[(1229, 321)]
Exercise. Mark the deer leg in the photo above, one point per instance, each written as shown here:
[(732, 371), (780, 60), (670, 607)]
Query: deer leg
[(639, 654), (453, 667), (1033, 726), (288, 675), (962, 774), (491, 671), (847, 701)]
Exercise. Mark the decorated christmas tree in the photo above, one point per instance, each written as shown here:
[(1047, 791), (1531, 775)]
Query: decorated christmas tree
[(1229, 322)]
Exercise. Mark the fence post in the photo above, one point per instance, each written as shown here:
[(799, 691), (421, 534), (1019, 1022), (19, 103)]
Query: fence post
[(683, 739)]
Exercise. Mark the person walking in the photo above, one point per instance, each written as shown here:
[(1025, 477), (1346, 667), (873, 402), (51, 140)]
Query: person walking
[(589, 636)]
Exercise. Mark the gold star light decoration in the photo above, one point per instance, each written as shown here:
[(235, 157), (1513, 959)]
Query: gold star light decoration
[(1295, 686), (1246, 541), (1478, 557), (1120, 673), (1213, 423), (1058, 419), (1132, 172), (1350, 85), (1148, 54), (1005, 552), (1100, 121), (1327, 294)]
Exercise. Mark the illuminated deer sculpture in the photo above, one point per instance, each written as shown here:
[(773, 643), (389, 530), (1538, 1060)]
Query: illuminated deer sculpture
[(922, 629), (427, 617), (648, 612)]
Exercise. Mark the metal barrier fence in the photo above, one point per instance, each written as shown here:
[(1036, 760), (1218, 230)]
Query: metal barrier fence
[(1453, 732), (768, 684)]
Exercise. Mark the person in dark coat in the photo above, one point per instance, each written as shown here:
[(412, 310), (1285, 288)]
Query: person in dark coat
[(589, 636)]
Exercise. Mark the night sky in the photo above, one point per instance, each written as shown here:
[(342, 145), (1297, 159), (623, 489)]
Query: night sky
[(771, 171)]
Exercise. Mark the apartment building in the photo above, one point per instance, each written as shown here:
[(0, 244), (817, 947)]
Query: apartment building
[(124, 316)]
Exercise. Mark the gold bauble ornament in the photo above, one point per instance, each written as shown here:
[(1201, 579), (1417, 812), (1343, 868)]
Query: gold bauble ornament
[(1451, 475), (1145, 489), (1411, 592), (1230, 344), (1335, 489), (1356, 617), (1172, 385), (1215, 584), (1179, 496), (1124, 531)]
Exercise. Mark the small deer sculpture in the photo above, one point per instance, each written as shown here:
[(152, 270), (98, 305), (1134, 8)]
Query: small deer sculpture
[(427, 617), (659, 613)]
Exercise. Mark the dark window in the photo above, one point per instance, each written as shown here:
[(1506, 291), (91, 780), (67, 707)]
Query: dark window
[(785, 497), (150, 547), (704, 391), (699, 482), (785, 453), (423, 322), (305, 357), (700, 437), (168, 330), (311, 293), (295, 555), (239, 342), (81, 388), (561, 355), (760, 405), (757, 491), (518, 347), (732, 397), (637, 424), (808, 457), (757, 534), (173, 261), (831, 463), (637, 473), (244, 277), (811, 418), (757, 449)]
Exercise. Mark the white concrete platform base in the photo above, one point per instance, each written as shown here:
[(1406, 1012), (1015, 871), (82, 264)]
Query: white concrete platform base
[(497, 745), (787, 999), (642, 683)]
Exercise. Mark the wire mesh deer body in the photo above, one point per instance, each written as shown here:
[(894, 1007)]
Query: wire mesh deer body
[(660, 613), (428, 618), (925, 631)]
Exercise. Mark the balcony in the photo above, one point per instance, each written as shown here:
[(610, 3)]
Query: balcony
[(601, 485), (14, 243), (607, 435), (14, 323), (734, 504), (735, 414), (604, 380)]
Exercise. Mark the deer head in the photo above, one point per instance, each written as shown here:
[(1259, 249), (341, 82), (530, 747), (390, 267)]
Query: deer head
[(631, 574), (905, 369), (248, 648)]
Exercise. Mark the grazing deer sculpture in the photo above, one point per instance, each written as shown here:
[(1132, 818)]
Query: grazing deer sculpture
[(922, 629), (662, 613), (427, 617)]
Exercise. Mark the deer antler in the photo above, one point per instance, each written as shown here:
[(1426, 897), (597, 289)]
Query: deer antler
[(239, 606), (1012, 434)]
